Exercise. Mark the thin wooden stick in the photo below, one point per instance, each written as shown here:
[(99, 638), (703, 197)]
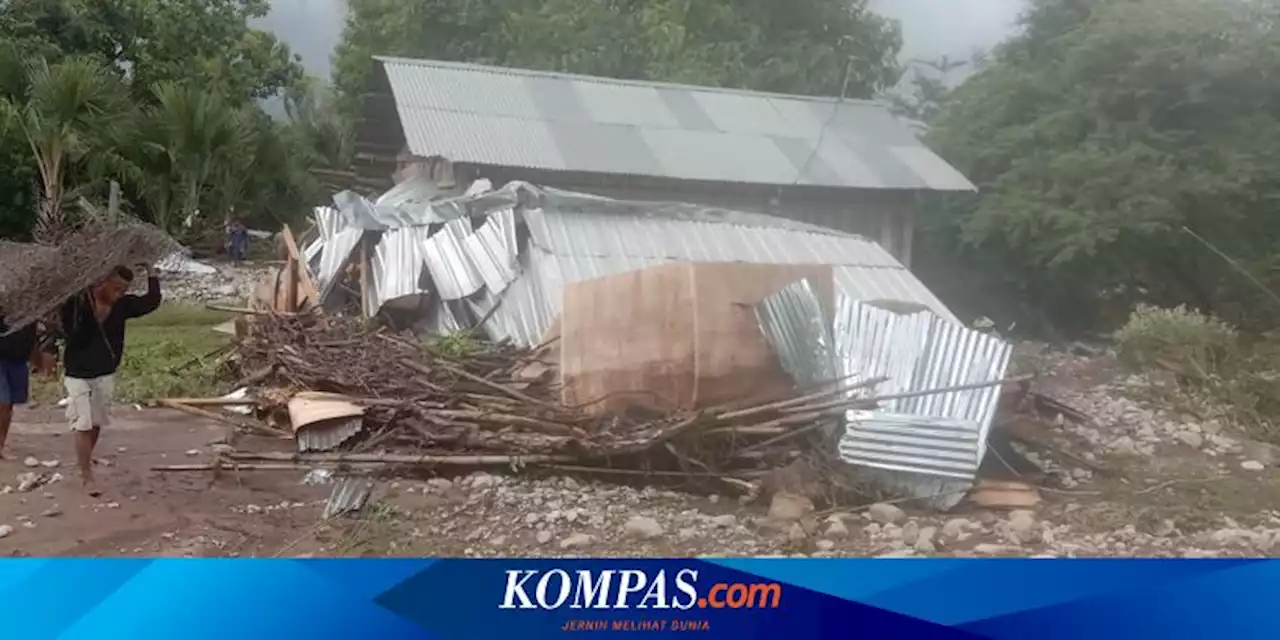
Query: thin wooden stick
[(445, 460), (793, 402), (500, 388), (212, 402), (177, 406), (854, 402)]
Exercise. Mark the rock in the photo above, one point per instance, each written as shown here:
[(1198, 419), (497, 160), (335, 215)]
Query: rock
[(1191, 439), (825, 545), (1267, 454), (726, 521), (956, 527), (910, 533), (643, 527), (122, 449), (193, 452), (924, 540), (31, 462), (1022, 521), (994, 549), (789, 506), (836, 530), (5, 531), (886, 513), (52, 512), (440, 484), (575, 541), (1124, 445), (1252, 465), (543, 537), (27, 482), (688, 533), (796, 532)]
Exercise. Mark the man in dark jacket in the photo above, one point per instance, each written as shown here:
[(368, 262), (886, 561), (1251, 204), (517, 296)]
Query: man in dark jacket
[(93, 324), (18, 351)]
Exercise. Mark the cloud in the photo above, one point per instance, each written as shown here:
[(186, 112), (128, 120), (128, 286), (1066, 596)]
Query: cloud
[(955, 28), (931, 28)]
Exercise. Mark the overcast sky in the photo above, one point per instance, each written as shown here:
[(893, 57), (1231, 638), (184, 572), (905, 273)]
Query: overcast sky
[(931, 28)]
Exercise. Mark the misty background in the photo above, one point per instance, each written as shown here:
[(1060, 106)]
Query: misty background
[(930, 28)]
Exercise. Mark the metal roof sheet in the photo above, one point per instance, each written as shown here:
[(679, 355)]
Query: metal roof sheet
[(560, 122), (572, 246)]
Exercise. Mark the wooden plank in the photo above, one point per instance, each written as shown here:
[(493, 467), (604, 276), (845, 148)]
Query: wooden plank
[(303, 275), (290, 286), (364, 279)]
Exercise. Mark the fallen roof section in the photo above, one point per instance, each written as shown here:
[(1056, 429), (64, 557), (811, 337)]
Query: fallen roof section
[(505, 256)]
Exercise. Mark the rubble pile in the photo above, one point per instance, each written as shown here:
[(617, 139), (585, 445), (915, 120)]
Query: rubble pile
[(495, 405), (212, 284)]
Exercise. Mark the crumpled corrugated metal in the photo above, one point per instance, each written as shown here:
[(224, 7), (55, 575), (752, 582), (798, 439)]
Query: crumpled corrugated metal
[(794, 323), (349, 494), (397, 264), (929, 446), (327, 436)]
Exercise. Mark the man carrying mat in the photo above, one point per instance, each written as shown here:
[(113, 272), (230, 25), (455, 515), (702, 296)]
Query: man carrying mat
[(93, 324)]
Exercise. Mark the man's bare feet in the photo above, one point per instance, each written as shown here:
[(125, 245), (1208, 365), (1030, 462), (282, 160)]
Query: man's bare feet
[(90, 486)]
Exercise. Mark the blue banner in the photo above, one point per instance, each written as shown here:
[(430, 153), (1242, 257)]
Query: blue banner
[(470, 599)]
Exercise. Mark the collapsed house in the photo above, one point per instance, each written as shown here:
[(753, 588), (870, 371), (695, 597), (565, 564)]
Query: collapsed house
[(622, 287)]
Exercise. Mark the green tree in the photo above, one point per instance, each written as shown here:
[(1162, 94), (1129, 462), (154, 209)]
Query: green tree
[(805, 46), (1103, 130), (64, 111), (195, 137), (144, 44)]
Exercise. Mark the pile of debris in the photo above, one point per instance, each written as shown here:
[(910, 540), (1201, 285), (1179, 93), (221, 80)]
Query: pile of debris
[(388, 400), (523, 327)]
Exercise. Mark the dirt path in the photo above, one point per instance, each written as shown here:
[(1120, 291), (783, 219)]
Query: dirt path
[(142, 512)]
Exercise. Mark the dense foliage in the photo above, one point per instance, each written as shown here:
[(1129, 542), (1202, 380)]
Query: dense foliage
[(166, 98), (1107, 139), (802, 46)]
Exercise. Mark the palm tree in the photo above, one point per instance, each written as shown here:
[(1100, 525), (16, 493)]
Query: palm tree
[(72, 114), (191, 137)]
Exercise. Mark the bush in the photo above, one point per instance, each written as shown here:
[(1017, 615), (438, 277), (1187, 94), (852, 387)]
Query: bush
[(1191, 343)]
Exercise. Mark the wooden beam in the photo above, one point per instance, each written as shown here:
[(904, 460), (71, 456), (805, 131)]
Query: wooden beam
[(302, 274)]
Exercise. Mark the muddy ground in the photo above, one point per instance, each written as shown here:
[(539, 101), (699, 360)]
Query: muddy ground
[(1138, 479)]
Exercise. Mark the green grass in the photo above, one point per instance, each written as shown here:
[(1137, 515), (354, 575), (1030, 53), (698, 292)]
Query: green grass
[(166, 354)]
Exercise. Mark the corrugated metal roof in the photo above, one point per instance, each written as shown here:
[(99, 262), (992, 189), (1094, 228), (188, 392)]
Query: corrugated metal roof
[(491, 115), (571, 246)]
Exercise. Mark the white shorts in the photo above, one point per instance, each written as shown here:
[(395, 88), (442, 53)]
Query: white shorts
[(89, 402)]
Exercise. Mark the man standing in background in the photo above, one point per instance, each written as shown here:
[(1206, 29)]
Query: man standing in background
[(238, 240), (93, 324), (18, 351)]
